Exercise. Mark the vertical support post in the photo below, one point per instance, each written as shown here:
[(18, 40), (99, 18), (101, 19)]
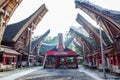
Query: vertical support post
[(93, 60), (97, 62), (65, 60), (117, 59), (4, 60), (44, 60), (84, 52), (76, 61), (14, 59), (29, 47), (102, 53), (56, 65), (113, 60), (11, 60)]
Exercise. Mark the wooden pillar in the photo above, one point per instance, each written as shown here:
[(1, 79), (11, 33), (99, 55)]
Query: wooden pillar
[(87, 60), (65, 60), (100, 60), (113, 59), (117, 59), (11, 60), (110, 59), (56, 61), (76, 62), (14, 59), (4, 60), (97, 60), (93, 60)]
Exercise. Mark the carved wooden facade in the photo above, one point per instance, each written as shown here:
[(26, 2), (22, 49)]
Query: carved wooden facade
[(20, 33), (7, 8)]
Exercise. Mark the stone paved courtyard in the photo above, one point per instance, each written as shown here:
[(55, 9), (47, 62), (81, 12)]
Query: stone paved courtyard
[(56, 74)]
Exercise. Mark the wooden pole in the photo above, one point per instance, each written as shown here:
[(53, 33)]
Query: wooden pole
[(29, 47), (102, 54), (84, 52), (44, 60)]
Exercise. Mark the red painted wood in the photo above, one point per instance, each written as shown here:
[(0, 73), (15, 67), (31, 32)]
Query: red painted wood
[(4, 60), (116, 59), (76, 61), (57, 61), (64, 60), (14, 59)]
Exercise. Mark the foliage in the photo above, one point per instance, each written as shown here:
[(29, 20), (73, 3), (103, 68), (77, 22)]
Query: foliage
[(51, 40), (74, 48)]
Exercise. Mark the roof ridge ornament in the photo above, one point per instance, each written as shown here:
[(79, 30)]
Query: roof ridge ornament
[(60, 45)]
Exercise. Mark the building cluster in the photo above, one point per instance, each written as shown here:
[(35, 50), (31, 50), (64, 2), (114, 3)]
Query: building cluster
[(104, 40), (16, 48)]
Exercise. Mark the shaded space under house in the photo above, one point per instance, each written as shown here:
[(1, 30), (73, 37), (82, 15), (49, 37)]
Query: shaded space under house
[(60, 56)]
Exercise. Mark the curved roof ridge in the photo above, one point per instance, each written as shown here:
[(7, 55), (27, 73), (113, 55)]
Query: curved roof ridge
[(115, 15), (19, 25)]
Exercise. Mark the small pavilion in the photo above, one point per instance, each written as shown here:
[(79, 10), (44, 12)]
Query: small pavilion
[(60, 57)]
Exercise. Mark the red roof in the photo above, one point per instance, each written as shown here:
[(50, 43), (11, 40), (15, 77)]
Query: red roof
[(50, 52), (64, 53)]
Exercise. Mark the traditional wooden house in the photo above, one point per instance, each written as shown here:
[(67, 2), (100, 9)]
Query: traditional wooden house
[(8, 58), (46, 47), (35, 48), (7, 8), (88, 46), (110, 22), (94, 33), (60, 56), (20, 34)]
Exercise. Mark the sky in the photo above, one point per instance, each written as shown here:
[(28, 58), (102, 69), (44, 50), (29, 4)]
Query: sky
[(60, 16)]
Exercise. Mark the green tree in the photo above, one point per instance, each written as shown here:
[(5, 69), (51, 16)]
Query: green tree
[(51, 40)]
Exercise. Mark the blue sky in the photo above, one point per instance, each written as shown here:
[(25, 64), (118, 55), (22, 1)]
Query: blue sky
[(60, 16)]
